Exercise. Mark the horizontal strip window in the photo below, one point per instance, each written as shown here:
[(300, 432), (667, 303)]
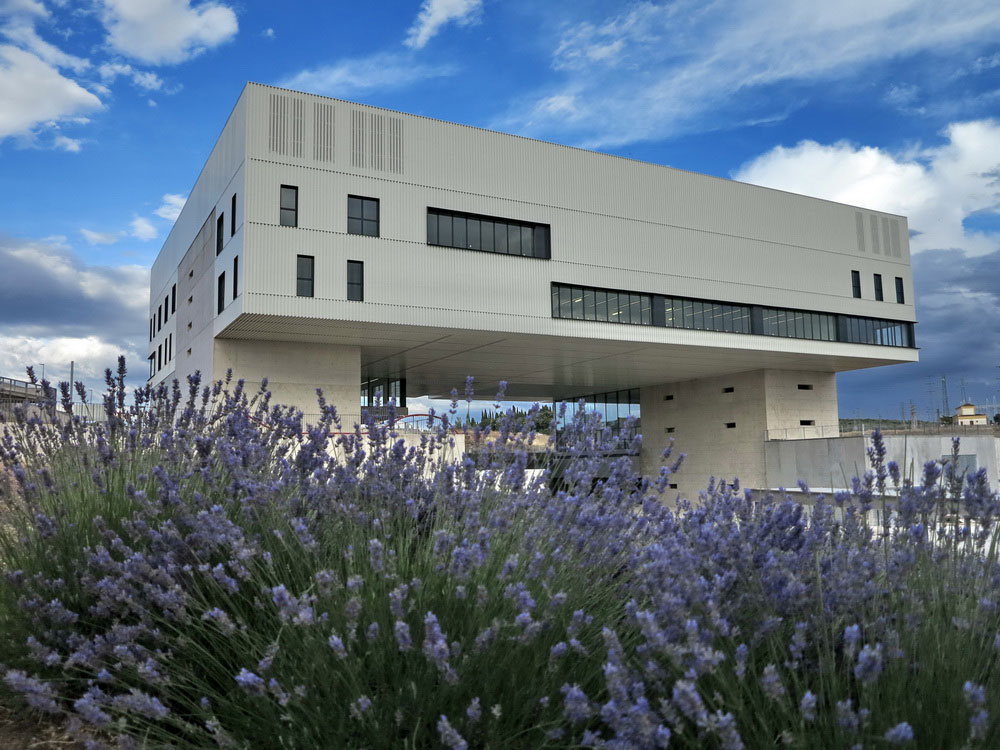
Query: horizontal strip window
[(706, 316), (487, 234), (585, 303), (615, 306), (797, 324)]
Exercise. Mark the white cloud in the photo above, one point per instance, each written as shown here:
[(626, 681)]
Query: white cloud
[(151, 102), (22, 32), (90, 355), (35, 93), (167, 31), (26, 7), (141, 78), (67, 144), (142, 228), (350, 76), (268, 33), (936, 187), (99, 238), (654, 70), (171, 206), (436, 13)]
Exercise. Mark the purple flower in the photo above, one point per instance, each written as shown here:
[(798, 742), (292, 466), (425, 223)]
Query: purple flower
[(474, 711), (771, 682), (250, 682), (899, 734), (403, 639), (869, 665), (576, 706), (335, 643), (807, 706), (450, 737)]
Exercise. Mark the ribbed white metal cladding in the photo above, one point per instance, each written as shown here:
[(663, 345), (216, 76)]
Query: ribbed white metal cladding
[(859, 222), (324, 132), (298, 127), (873, 222)]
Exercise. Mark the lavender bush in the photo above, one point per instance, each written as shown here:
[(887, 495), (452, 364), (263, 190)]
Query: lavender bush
[(204, 570)]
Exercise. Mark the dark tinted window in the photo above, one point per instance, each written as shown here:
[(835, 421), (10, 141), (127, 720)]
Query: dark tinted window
[(232, 217), (289, 206), (487, 233), (856, 284), (222, 292), (220, 229), (900, 297), (304, 275), (355, 280), (878, 288), (362, 216)]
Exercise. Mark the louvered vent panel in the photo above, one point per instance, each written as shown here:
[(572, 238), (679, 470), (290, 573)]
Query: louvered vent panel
[(859, 221), (323, 131), (278, 125), (376, 141), (358, 122), (873, 223), (298, 127), (395, 160), (886, 241), (894, 236)]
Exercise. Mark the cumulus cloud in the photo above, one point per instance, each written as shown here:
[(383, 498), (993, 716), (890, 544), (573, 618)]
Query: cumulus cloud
[(46, 290), (434, 14), (63, 143), (955, 267), (21, 31), (654, 70), (167, 31), (141, 78), (936, 187), (35, 93), (351, 76), (171, 206), (142, 228), (100, 238)]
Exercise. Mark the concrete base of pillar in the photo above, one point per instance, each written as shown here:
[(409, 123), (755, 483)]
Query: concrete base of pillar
[(294, 370), (721, 423)]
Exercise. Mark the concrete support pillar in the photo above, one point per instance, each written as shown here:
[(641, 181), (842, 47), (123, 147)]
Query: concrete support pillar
[(294, 371), (721, 423)]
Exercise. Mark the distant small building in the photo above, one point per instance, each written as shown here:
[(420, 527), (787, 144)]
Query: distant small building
[(966, 415)]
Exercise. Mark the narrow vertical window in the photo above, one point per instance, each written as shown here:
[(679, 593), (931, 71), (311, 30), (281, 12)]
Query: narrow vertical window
[(232, 216), (879, 297), (362, 216), (289, 206), (220, 231), (222, 291), (166, 309), (159, 357), (170, 347), (173, 299), (159, 318), (856, 284), (900, 298), (236, 276), (304, 267), (355, 280)]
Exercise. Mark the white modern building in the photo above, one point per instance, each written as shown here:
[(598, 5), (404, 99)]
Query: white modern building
[(336, 245)]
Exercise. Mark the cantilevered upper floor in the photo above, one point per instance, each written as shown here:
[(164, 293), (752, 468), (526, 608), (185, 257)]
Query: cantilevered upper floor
[(441, 250)]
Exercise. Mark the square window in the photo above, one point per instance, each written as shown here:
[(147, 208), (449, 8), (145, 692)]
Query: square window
[(363, 216)]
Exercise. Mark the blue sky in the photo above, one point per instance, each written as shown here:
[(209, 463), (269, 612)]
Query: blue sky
[(109, 108)]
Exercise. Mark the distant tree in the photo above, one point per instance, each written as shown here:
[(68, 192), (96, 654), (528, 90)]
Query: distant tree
[(947, 419), (543, 420), (996, 418)]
